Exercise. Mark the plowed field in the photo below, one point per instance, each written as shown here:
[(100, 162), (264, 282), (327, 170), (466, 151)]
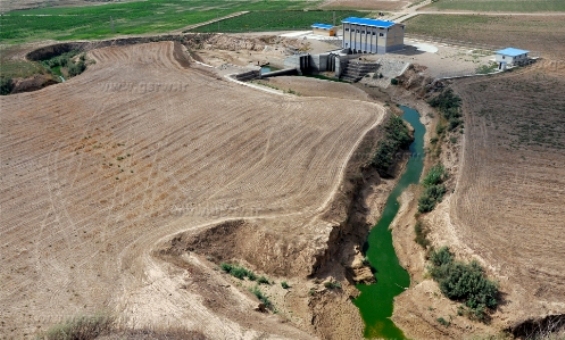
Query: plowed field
[(509, 203), (96, 170)]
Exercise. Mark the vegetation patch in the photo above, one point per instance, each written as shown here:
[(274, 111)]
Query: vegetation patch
[(421, 232), (397, 137), (80, 328), (67, 61), (262, 297), (448, 105), (464, 282), (242, 273), (138, 17), (332, 285), (262, 21), (434, 189), (6, 85)]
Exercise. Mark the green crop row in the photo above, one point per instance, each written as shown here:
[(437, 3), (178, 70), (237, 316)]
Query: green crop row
[(96, 22), (260, 21)]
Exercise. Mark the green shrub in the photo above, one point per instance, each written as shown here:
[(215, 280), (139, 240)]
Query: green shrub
[(433, 188), (238, 272), (285, 285), (263, 280), (443, 322), (430, 197), (436, 175), (441, 257), (6, 86), (262, 297), (421, 235), (394, 81), (397, 137), (464, 282), (332, 285)]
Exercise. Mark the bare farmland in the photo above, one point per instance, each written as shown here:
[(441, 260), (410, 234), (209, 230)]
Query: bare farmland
[(98, 170), (508, 205), (544, 34)]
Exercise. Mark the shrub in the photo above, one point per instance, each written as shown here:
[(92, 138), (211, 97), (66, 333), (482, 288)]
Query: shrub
[(332, 285), (436, 175), (430, 197), (421, 235), (434, 189), (238, 272), (443, 322), (262, 297), (397, 137), (464, 282), (6, 86), (263, 280), (81, 328), (394, 81), (285, 285)]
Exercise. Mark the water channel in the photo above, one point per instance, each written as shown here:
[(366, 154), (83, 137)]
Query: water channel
[(375, 302)]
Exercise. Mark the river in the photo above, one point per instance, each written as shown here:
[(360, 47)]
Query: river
[(375, 302)]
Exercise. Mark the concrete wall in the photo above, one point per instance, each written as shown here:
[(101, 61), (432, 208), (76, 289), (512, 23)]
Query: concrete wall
[(365, 39)]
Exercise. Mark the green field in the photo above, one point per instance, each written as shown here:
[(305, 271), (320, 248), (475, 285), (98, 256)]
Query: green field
[(259, 21), (154, 16), (19, 68), (502, 5)]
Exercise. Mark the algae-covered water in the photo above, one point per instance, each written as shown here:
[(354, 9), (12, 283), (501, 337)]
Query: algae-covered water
[(376, 300)]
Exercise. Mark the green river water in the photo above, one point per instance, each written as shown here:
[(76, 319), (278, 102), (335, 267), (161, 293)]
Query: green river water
[(376, 300)]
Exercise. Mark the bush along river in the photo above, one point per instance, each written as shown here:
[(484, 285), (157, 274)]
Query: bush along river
[(375, 302)]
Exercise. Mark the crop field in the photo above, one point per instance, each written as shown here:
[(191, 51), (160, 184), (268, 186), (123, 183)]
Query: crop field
[(541, 34), (259, 21), (501, 5), (97, 170), (101, 21), (508, 205)]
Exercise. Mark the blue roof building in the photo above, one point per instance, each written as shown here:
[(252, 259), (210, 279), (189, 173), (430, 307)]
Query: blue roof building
[(510, 57), (324, 29), (366, 35)]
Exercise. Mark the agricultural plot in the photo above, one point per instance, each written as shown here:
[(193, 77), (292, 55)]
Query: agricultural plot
[(508, 205), (98, 170), (540, 34), (262, 21), (101, 21), (500, 5)]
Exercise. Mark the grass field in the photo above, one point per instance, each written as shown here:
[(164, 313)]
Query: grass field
[(96, 22), (259, 21), (502, 5), (541, 34)]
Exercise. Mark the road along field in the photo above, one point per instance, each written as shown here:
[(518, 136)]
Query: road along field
[(508, 204), (100, 171), (543, 34)]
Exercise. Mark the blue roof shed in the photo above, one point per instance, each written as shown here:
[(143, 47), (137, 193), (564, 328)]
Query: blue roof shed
[(511, 52), (322, 26)]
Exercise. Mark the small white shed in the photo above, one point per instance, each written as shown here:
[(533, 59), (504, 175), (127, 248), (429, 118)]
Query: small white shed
[(511, 56)]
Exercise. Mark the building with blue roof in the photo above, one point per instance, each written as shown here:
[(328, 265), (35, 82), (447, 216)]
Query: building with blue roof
[(511, 56), (365, 35), (324, 29)]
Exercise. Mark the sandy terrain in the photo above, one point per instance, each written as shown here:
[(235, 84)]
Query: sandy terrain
[(101, 170), (313, 87)]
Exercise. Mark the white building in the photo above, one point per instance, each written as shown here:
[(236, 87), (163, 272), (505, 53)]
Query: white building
[(363, 35), (511, 56)]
